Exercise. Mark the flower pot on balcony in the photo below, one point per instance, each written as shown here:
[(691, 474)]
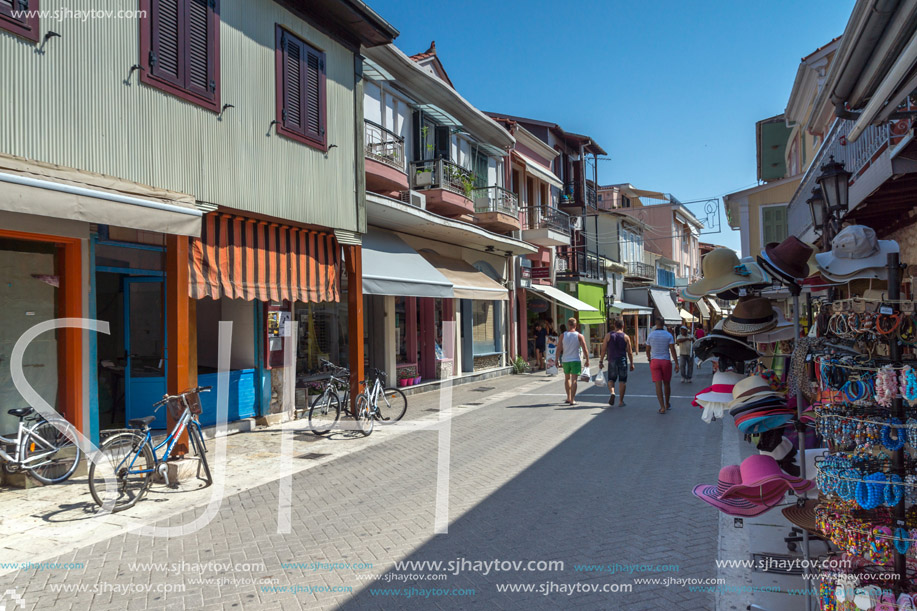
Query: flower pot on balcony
[(423, 178), (417, 380)]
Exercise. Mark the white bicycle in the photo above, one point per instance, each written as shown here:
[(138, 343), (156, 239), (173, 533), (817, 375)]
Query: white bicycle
[(39, 449)]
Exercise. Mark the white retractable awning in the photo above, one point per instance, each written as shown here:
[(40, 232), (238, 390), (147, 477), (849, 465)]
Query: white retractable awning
[(666, 306), (687, 316), (391, 267), (562, 298), (30, 187), (619, 307), (714, 306), (702, 308), (540, 171), (467, 282)]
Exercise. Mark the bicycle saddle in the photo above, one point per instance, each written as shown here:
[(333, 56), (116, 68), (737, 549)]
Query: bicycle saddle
[(20, 412), (141, 423)]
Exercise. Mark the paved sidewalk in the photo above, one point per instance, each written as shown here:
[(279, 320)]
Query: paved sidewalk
[(530, 479)]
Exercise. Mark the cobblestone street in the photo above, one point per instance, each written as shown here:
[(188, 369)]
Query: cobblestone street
[(531, 479)]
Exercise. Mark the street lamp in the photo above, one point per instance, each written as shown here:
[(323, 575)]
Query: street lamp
[(834, 182), (817, 208)]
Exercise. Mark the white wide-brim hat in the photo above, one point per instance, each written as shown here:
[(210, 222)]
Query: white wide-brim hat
[(853, 250), (721, 388)]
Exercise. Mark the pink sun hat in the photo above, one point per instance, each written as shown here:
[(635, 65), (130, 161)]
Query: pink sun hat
[(713, 495), (762, 478)]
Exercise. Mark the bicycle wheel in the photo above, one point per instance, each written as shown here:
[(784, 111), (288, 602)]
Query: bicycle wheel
[(61, 454), (392, 405), (324, 413), (199, 447), (114, 477), (364, 416)]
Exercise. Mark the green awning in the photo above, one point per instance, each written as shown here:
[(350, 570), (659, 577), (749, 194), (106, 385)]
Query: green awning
[(594, 295)]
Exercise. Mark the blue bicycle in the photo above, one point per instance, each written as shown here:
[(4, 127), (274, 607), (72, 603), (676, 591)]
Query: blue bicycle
[(128, 458)]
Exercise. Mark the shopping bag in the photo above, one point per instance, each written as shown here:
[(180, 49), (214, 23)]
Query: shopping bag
[(585, 376), (599, 379), (551, 371)]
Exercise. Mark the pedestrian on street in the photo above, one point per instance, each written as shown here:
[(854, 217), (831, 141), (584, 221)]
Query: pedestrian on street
[(616, 346), (685, 342), (541, 337), (660, 351), (569, 353)]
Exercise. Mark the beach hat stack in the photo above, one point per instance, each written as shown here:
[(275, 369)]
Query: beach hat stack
[(757, 407), (752, 488)]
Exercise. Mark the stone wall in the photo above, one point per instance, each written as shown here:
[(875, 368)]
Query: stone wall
[(907, 242), (487, 362)]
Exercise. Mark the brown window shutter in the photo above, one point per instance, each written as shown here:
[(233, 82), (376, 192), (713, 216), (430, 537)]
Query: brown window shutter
[(292, 113), (166, 41), (201, 52), (315, 94)]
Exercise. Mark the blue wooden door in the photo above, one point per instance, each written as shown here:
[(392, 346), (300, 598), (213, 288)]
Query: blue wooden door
[(144, 348)]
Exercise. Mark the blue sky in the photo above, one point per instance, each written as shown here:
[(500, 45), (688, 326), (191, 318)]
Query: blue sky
[(670, 89)]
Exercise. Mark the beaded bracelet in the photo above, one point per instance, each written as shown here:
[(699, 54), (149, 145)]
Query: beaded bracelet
[(886, 385), (894, 490), (893, 438)]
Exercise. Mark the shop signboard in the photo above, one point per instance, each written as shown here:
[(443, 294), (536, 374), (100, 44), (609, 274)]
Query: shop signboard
[(541, 272)]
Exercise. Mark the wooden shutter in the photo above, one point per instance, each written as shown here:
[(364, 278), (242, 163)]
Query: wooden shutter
[(300, 89), (292, 84), (166, 41), (200, 46), (773, 219), (314, 93)]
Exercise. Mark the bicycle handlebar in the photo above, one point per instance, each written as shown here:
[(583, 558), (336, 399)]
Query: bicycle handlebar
[(165, 398)]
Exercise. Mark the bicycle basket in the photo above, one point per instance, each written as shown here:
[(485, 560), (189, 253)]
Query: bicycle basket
[(177, 407)]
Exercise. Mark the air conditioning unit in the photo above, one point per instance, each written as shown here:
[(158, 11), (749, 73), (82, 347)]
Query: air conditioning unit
[(414, 198)]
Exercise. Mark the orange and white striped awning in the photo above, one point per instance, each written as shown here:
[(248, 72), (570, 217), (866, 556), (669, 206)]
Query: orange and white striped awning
[(243, 258)]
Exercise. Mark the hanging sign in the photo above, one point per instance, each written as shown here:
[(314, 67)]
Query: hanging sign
[(538, 306)]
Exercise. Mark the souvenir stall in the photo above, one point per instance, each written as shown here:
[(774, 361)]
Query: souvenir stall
[(844, 389)]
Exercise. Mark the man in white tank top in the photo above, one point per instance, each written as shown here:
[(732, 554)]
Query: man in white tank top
[(569, 353)]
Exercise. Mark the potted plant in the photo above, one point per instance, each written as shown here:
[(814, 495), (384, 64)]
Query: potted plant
[(402, 377), (416, 380)]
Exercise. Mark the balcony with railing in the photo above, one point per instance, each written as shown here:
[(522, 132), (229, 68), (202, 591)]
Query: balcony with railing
[(870, 160), (639, 271), (578, 193), (448, 186), (385, 162), (496, 209), (576, 264), (545, 226)]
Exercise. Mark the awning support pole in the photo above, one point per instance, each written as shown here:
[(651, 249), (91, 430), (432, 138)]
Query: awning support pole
[(353, 262)]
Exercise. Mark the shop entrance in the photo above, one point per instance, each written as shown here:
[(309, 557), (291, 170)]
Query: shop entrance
[(130, 295), (144, 347)]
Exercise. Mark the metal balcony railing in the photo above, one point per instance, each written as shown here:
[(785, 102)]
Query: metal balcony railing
[(545, 217), (442, 174), (383, 146), (638, 269), (591, 198), (495, 199), (580, 265)]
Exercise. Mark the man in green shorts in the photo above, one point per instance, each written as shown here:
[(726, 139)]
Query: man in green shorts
[(571, 342)]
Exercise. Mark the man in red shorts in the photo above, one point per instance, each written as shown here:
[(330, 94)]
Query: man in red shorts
[(660, 351)]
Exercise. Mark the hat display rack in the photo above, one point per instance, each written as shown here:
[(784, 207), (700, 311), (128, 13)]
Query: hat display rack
[(856, 407), (867, 416)]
